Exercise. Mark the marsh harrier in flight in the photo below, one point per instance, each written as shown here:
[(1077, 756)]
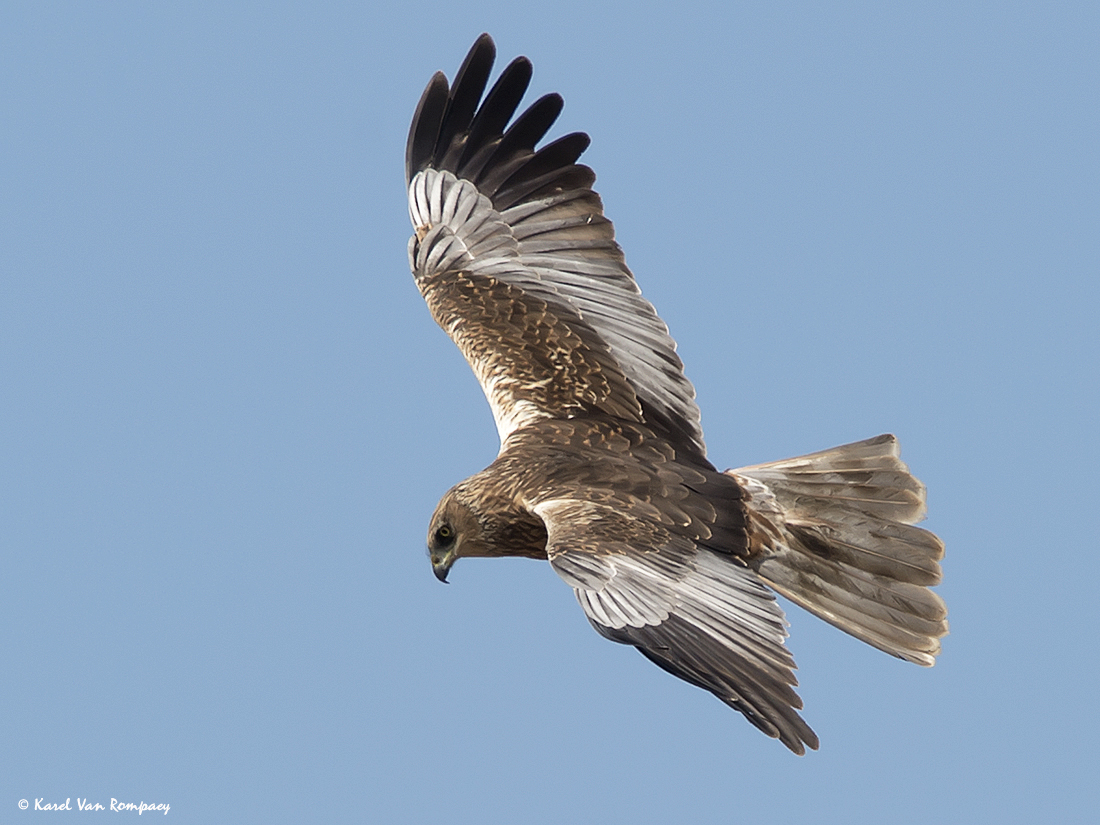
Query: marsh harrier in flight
[(602, 469)]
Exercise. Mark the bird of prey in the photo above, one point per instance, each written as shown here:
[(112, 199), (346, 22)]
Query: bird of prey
[(602, 468)]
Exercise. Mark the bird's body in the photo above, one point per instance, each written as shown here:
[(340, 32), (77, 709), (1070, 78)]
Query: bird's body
[(602, 468), (619, 465)]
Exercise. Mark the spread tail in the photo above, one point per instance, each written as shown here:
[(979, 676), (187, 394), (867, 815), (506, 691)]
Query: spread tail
[(834, 534)]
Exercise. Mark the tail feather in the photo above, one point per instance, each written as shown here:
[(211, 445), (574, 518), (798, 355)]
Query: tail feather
[(836, 538)]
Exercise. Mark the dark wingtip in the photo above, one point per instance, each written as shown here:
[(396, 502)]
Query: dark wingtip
[(426, 123), (454, 129), (466, 91), (445, 109)]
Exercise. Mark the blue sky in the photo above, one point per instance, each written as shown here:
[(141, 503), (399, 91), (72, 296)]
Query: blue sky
[(226, 414)]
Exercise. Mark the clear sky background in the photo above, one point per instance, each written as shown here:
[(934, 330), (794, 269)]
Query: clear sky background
[(226, 415)]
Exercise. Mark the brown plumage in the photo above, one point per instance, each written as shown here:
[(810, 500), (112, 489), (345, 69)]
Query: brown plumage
[(602, 468)]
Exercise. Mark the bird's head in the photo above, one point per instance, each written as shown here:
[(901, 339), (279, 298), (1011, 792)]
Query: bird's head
[(455, 532)]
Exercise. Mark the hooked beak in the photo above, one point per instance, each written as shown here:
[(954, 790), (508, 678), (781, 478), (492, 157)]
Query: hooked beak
[(441, 565)]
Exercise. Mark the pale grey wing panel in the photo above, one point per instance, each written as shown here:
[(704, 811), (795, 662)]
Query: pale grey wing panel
[(540, 226), (699, 615)]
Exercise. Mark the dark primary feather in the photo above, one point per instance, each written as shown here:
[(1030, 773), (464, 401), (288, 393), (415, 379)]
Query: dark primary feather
[(554, 166), (427, 119), (462, 103), (493, 116)]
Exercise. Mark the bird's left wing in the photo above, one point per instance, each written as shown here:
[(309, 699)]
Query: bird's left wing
[(518, 264), (700, 615)]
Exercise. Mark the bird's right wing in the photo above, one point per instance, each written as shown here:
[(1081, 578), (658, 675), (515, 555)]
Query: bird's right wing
[(701, 615)]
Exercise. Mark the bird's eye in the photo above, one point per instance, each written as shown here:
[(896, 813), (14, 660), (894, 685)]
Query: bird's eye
[(444, 534)]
